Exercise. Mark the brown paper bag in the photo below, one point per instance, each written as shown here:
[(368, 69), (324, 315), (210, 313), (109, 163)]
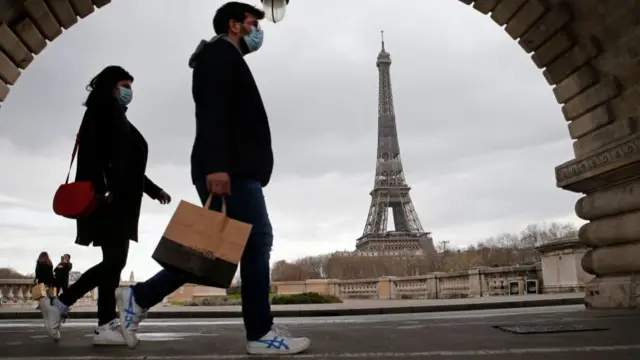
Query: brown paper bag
[(202, 245), (38, 292)]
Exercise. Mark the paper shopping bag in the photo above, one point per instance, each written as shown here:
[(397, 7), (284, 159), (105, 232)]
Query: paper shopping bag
[(38, 292), (202, 245)]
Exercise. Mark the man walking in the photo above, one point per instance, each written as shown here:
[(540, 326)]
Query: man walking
[(231, 158)]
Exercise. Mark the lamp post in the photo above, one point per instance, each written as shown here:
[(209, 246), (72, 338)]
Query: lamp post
[(275, 9)]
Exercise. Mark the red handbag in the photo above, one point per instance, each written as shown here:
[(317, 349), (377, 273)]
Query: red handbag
[(77, 199)]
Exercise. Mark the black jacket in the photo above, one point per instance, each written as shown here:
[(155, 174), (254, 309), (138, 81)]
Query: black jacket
[(113, 156), (232, 128), (61, 273), (44, 274)]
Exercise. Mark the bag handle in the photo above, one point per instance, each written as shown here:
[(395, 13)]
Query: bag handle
[(207, 204), (73, 156)]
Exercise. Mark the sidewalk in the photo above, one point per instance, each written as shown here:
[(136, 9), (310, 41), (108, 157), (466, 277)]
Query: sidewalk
[(347, 308)]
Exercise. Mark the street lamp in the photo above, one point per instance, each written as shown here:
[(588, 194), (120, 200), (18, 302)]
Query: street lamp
[(275, 9)]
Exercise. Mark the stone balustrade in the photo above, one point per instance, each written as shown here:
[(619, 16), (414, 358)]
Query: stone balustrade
[(560, 270), (477, 282), (473, 283), (483, 281), (17, 293)]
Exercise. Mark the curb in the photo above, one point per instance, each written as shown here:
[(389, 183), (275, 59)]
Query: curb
[(29, 315)]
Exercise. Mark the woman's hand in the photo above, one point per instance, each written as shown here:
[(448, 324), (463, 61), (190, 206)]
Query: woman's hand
[(164, 198)]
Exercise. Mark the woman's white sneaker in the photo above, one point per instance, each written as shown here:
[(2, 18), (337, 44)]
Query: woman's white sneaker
[(54, 313), (109, 335), (278, 342)]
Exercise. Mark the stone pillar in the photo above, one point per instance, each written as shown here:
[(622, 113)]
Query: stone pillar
[(598, 82), (475, 283), (613, 233), (432, 285), (385, 288), (561, 266)]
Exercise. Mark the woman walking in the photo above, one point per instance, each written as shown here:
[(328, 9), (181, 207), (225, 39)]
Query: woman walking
[(44, 270), (113, 156)]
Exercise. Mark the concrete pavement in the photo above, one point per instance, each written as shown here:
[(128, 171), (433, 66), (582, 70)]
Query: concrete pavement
[(348, 307), (594, 335)]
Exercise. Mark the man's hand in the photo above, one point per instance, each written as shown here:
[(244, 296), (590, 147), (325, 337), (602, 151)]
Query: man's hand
[(164, 198), (219, 184)]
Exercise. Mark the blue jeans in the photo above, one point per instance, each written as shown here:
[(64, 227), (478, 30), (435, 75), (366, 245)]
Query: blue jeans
[(246, 203)]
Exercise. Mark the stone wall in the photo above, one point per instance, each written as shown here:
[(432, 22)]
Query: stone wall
[(485, 281), (473, 283), (559, 271)]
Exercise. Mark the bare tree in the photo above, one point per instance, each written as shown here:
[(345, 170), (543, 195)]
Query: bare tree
[(8, 273), (505, 249)]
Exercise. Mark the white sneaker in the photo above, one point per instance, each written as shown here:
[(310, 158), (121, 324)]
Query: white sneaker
[(278, 342), (109, 335), (54, 314), (130, 315)]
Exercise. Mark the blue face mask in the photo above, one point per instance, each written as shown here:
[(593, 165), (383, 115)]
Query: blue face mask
[(254, 39), (125, 97)]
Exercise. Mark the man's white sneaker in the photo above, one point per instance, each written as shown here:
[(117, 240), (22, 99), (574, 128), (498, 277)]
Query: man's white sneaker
[(130, 315), (109, 335), (278, 342), (54, 313)]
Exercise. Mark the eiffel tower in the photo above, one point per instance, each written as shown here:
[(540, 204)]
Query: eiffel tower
[(390, 189)]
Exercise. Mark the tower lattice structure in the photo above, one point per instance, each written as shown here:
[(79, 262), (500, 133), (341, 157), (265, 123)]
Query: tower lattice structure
[(390, 189)]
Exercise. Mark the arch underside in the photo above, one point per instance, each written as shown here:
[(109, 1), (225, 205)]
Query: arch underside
[(587, 50)]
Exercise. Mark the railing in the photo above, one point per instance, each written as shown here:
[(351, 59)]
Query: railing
[(358, 289), (473, 283), (16, 293)]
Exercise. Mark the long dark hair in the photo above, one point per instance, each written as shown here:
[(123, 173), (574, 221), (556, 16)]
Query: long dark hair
[(102, 85), (44, 258)]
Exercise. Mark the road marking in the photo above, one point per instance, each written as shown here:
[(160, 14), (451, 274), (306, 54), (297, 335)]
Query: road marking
[(161, 336), (488, 352), (410, 327), (213, 322), (383, 323)]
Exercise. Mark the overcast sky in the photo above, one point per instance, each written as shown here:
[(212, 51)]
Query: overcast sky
[(480, 131)]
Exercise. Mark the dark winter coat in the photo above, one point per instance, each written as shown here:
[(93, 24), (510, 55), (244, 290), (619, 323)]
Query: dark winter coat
[(232, 127), (61, 273), (113, 156), (44, 273)]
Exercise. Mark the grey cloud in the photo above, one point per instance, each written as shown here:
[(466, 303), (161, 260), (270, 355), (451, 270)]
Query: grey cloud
[(480, 131), (441, 83)]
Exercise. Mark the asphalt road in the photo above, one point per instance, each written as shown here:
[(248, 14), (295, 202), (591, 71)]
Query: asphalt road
[(455, 335)]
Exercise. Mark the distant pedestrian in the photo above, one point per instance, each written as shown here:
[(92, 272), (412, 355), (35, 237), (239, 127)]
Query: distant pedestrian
[(61, 273), (44, 270)]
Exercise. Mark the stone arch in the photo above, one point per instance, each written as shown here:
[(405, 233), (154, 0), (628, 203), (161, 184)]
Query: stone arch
[(590, 54)]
